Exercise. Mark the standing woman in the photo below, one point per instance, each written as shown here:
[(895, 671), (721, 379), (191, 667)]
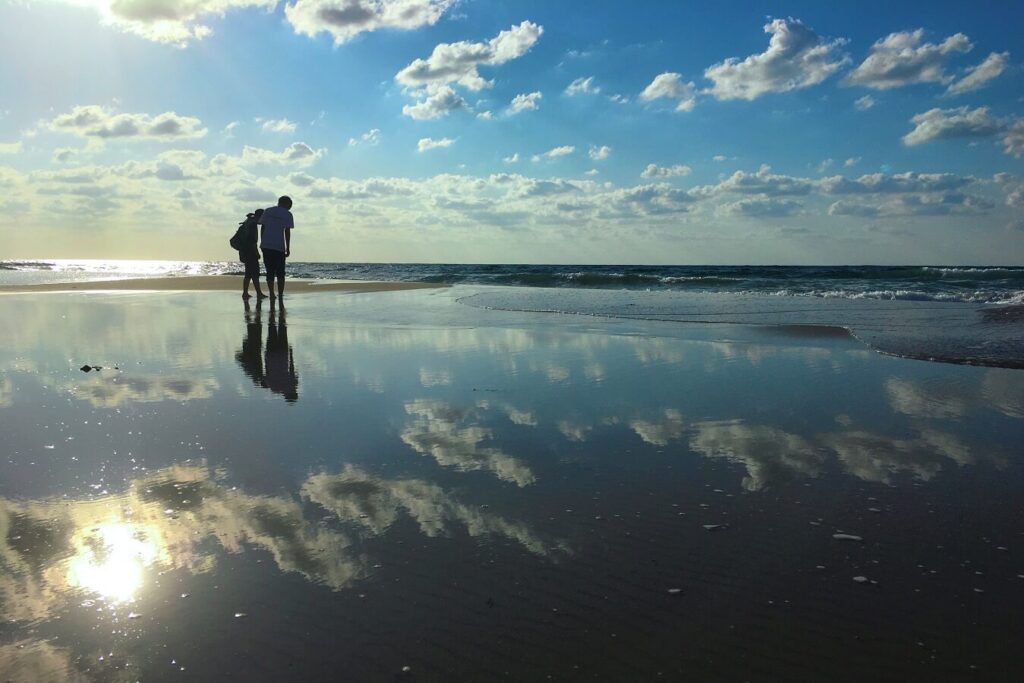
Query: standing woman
[(249, 254)]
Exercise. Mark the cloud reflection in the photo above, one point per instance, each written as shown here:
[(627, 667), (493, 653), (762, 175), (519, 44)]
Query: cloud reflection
[(770, 454), (355, 496), (113, 547), (448, 435)]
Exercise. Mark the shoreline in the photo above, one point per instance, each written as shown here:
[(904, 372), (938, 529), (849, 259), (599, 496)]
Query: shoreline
[(212, 283)]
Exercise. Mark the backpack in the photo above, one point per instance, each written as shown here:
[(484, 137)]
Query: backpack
[(237, 241)]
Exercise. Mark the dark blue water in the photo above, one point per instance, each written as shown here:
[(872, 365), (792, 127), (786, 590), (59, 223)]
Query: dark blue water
[(972, 284)]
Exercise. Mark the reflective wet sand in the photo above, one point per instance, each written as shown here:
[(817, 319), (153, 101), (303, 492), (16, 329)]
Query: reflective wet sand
[(357, 484)]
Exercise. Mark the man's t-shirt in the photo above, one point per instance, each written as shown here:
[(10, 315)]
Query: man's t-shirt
[(275, 221)]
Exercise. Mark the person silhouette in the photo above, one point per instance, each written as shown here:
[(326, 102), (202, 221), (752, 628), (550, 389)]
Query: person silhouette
[(276, 228), (250, 356), (279, 359)]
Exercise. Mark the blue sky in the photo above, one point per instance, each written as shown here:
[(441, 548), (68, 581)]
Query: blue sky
[(442, 130)]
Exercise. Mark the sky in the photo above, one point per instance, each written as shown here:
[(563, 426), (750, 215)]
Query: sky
[(476, 131)]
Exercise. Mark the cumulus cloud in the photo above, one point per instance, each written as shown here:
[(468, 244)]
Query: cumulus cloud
[(582, 86), (963, 122), (978, 76), (94, 121), (345, 19), (554, 153), (161, 21), (441, 102), (524, 102), (277, 125), (852, 161), (655, 171), (370, 138), (10, 147), (935, 204), (796, 57), (426, 144), (901, 59), (864, 103), (458, 62), (512, 159), (885, 183), (762, 182), (297, 154), (599, 153), (670, 85), (766, 207)]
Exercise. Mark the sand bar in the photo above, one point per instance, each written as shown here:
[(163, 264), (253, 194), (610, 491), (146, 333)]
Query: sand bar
[(212, 283)]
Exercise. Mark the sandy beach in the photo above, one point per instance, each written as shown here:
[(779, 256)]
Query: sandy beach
[(232, 487)]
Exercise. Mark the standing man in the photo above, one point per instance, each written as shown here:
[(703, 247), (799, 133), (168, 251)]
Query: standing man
[(276, 241)]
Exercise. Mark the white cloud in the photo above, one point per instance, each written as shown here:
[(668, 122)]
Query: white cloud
[(524, 102), (764, 207), (164, 21), (655, 171), (426, 144), (671, 86), (10, 147), (458, 62), (600, 153), (1013, 139), (938, 204), (864, 103), (277, 125), (441, 102), (370, 138), (719, 158), (762, 182), (900, 59), (979, 75), (825, 165), (619, 99), (582, 86), (555, 153), (345, 19), (296, 154), (852, 161), (229, 130), (485, 115), (796, 58), (591, 172), (94, 121), (945, 124), (514, 159), (885, 183)]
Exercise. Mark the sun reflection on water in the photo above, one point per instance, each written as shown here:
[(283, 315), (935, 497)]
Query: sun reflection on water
[(110, 560)]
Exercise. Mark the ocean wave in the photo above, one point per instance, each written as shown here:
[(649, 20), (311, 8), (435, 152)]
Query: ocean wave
[(974, 297)]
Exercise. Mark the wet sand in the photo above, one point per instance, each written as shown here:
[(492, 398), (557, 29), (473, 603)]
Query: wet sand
[(211, 283), (402, 487)]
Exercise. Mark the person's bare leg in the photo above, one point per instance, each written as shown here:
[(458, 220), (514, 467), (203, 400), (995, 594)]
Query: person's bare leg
[(245, 286), (270, 286), (280, 285)]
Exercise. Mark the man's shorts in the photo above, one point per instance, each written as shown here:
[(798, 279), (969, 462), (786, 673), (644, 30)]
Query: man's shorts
[(273, 263)]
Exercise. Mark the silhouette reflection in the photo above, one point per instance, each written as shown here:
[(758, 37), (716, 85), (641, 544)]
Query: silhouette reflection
[(279, 359), (271, 366)]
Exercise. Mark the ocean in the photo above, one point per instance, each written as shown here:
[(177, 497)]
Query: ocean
[(959, 314)]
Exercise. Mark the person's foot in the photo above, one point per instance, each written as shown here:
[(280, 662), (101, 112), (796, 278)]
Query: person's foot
[(261, 295), (246, 295)]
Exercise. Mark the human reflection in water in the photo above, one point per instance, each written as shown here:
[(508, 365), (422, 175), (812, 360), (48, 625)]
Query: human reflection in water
[(279, 361), (250, 356)]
